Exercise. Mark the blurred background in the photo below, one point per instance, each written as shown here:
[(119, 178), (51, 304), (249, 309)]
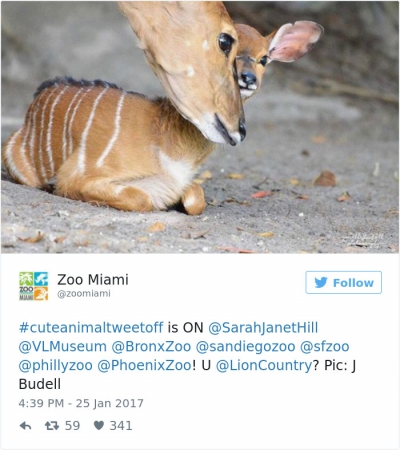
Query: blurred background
[(358, 55), (360, 46)]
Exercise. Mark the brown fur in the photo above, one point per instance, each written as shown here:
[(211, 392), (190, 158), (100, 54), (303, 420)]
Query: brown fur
[(152, 136), (148, 152), (180, 38)]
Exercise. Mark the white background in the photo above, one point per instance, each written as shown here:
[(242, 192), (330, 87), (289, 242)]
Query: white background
[(206, 409)]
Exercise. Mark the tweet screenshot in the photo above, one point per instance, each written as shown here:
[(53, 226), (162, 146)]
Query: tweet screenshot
[(199, 225), (192, 352)]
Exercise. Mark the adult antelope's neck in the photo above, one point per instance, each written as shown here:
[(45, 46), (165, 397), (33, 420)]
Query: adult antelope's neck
[(181, 41)]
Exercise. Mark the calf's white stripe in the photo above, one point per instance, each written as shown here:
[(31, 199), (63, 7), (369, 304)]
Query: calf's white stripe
[(64, 133), (70, 149), (114, 137), (8, 153), (41, 160), (49, 128), (82, 145), (27, 163)]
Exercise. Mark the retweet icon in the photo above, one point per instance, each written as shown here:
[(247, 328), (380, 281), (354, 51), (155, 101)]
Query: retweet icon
[(320, 283)]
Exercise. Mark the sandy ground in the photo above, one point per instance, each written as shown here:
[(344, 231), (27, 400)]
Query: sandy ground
[(292, 137)]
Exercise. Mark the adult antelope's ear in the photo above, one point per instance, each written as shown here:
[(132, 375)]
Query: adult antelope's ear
[(292, 41)]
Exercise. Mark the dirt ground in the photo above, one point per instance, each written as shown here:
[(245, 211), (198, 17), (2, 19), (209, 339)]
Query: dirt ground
[(294, 134)]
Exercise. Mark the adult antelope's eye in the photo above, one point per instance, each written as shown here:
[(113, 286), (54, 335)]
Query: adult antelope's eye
[(225, 42), (263, 60)]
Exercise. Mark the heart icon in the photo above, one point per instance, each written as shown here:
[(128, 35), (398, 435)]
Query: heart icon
[(99, 425)]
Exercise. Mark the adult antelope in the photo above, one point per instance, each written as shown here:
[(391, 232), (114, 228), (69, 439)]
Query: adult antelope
[(191, 47), (121, 149)]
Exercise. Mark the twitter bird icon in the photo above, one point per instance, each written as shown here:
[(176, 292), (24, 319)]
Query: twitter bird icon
[(320, 283)]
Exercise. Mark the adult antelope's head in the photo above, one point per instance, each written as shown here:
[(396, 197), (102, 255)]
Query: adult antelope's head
[(191, 47), (287, 44)]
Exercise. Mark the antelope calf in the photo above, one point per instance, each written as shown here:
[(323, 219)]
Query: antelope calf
[(118, 148)]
